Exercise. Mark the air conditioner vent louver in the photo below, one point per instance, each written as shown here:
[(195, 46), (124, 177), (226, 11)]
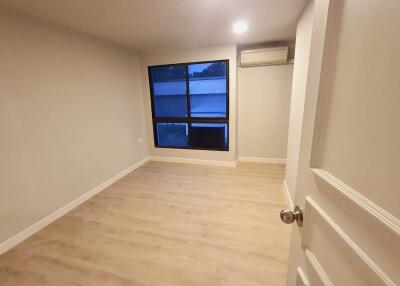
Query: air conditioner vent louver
[(263, 57)]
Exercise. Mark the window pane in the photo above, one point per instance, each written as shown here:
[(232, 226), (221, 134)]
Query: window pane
[(207, 87), (169, 91), (172, 134), (209, 135)]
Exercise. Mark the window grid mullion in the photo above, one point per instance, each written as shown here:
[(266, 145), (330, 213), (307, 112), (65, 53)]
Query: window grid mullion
[(189, 114)]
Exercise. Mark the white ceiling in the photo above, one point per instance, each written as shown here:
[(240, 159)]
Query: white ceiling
[(165, 24)]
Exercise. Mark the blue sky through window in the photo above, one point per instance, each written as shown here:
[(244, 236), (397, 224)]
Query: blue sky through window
[(207, 88), (198, 67)]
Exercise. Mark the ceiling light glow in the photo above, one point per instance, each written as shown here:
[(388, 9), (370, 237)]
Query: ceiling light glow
[(240, 27)]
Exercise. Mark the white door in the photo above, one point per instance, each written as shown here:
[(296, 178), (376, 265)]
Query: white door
[(349, 164)]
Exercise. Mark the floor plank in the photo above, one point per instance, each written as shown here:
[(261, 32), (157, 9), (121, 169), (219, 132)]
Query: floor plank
[(165, 224)]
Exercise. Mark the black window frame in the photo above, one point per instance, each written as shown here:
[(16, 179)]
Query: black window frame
[(189, 119)]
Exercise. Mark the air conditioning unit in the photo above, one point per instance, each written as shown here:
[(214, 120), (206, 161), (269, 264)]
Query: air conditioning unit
[(264, 57)]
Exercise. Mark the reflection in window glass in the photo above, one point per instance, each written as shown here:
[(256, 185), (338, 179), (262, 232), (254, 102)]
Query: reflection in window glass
[(209, 135), (172, 134), (207, 88), (169, 91)]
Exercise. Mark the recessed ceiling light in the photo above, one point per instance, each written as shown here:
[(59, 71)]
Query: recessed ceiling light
[(240, 27)]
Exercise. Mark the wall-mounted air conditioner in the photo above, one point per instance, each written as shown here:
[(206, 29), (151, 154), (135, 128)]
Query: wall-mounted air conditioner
[(264, 57)]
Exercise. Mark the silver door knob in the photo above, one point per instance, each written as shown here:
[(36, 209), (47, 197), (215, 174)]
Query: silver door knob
[(288, 216)]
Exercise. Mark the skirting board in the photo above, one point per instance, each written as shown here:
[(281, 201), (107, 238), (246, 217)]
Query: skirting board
[(29, 231), (193, 161), (286, 193), (262, 160)]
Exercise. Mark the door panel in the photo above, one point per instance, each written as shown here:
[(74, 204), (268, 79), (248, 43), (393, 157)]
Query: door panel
[(338, 255), (317, 274), (349, 155), (375, 230), (301, 279), (357, 137)]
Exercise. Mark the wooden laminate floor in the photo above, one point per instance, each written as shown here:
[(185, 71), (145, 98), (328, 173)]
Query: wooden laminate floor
[(165, 224)]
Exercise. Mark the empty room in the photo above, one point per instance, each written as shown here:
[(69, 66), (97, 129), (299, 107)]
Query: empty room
[(199, 143)]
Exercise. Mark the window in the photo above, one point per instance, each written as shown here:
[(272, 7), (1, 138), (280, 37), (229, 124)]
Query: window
[(190, 105)]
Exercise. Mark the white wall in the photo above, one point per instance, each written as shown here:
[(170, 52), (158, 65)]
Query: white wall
[(193, 55), (263, 111), (70, 117), (300, 71)]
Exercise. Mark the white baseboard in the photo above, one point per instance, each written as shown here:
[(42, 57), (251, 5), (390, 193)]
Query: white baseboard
[(29, 231), (288, 198), (193, 161), (262, 160)]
